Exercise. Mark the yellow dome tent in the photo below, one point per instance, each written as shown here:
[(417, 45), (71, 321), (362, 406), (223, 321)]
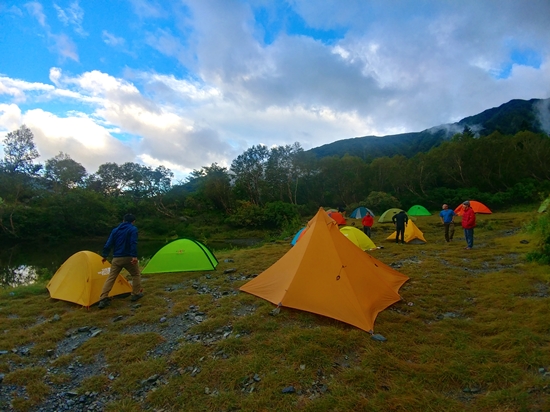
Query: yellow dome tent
[(322, 274), (412, 234), (81, 278), (358, 237)]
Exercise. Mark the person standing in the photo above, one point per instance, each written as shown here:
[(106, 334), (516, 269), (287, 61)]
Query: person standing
[(367, 223), (468, 224), (400, 219), (123, 240), (447, 218)]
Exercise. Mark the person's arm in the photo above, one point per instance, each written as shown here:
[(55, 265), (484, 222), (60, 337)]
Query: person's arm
[(107, 247), (133, 245)]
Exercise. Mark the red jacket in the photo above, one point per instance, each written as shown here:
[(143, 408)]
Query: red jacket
[(468, 218), (368, 220)]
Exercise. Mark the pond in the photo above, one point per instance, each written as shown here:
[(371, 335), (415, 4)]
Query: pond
[(24, 263)]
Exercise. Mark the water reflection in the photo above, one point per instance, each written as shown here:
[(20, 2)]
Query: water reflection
[(18, 276), (25, 263)]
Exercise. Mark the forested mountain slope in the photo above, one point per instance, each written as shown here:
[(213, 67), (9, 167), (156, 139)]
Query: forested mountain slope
[(512, 117)]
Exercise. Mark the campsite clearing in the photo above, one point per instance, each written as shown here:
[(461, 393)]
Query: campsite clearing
[(471, 333)]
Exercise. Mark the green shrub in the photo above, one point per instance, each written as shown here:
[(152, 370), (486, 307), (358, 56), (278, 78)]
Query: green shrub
[(541, 227)]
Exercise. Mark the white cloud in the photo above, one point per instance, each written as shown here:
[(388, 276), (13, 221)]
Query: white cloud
[(78, 135), (36, 10), (112, 40), (71, 16)]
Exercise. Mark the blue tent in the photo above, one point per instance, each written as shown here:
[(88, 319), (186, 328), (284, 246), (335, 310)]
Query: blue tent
[(297, 236), (360, 212)]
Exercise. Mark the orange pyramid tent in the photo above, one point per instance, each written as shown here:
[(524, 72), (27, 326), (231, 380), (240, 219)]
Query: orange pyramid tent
[(322, 274), (474, 204), (412, 234), (81, 278)]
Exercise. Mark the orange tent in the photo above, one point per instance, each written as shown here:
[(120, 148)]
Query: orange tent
[(322, 274), (337, 216), (474, 204)]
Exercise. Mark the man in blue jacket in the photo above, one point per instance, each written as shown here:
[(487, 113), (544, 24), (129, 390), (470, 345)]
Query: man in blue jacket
[(123, 241)]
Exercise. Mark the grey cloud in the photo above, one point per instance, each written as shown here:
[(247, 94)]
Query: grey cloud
[(543, 111), (190, 149)]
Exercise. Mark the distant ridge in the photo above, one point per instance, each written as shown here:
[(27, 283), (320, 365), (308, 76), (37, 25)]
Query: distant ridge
[(510, 118)]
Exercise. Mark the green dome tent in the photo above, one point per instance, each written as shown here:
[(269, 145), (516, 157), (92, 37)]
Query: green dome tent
[(387, 215), (182, 255), (544, 205), (418, 210)]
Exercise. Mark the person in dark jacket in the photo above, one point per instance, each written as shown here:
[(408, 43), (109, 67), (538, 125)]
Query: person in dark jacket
[(400, 219), (468, 224), (123, 241)]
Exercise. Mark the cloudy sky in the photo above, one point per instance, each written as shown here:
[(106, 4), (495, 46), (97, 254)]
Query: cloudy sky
[(186, 83)]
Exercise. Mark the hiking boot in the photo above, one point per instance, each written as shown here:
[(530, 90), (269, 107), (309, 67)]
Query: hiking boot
[(137, 297), (103, 303)]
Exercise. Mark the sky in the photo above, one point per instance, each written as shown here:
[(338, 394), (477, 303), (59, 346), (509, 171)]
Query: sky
[(189, 83)]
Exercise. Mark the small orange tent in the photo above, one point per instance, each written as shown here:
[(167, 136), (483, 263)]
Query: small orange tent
[(337, 216), (322, 274), (474, 204), (80, 280), (412, 234)]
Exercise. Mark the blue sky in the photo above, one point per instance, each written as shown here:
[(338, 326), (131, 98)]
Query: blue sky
[(188, 83)]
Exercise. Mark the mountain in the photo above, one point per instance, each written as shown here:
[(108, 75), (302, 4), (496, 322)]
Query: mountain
[(509, 119)]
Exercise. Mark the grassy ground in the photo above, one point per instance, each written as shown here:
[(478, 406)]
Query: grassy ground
[(471, 333)]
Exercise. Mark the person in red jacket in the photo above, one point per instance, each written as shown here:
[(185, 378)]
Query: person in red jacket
[(468, 224), (367, 223)]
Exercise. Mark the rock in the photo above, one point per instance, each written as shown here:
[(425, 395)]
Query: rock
[(378, 338), (289, 389), (150, 379)]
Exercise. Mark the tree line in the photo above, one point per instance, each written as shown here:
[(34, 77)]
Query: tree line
[(266, 188)]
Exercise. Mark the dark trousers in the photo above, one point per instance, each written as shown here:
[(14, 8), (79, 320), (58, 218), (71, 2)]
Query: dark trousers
[(469, 235), (366, 229), (449, 231), (399, 231)]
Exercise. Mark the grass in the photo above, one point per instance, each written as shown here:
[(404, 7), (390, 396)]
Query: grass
[(471, 333)]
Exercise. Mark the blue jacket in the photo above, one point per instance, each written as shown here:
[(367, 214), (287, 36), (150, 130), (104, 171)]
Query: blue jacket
[(123, 241)]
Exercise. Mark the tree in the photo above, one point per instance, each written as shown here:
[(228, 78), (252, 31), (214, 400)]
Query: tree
[(64, 172), (282, 172), (20, 152), (248, 170)]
